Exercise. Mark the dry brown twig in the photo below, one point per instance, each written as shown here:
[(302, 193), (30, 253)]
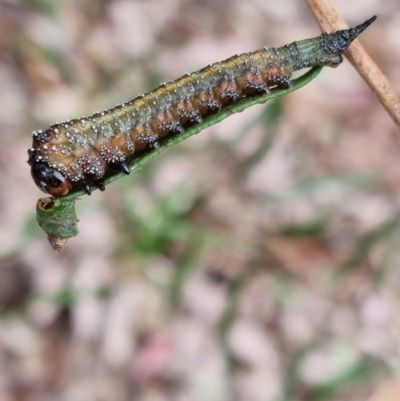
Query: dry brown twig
[(329, 21)]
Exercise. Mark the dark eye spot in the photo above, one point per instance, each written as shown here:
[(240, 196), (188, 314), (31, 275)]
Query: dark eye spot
[(49, 180)]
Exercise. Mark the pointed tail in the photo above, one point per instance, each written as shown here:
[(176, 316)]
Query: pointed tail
[(338, 42), (325, 50)]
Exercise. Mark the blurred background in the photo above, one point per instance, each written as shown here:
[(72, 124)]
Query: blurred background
[(258, 260)]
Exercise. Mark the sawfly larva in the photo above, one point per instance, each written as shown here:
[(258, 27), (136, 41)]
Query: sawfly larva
[(76, 154)]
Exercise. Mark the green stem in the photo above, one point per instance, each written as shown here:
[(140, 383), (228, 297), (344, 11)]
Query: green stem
[(56, 216)]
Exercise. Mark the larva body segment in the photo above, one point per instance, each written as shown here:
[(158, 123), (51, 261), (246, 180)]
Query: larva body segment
[(76, 154)]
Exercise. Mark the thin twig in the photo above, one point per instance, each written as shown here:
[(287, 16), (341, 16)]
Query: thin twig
[(329, 21)]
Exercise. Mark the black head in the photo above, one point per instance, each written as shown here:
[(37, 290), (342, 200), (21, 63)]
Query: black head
[(49, 180)]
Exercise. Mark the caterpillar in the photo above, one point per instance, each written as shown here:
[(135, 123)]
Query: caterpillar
[(80, 153)]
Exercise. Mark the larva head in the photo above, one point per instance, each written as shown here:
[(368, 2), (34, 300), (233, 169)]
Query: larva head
[(49, 180)]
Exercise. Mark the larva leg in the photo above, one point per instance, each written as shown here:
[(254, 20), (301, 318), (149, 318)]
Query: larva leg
[(86, 188), (124, 168), (101, 185)]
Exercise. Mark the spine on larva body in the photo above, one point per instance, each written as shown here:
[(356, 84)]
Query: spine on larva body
[(77, 154)]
